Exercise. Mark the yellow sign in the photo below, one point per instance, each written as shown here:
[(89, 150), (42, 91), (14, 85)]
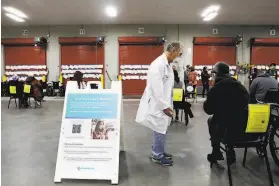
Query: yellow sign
[(4, 78), (258, 118), (102, 81), (12, 89), (61, 79), (177, 94), (119, 78), (27, 89), (43, 79)]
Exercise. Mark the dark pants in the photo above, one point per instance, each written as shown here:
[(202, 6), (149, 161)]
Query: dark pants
[(216, 133), (205, 88), (186, 82)]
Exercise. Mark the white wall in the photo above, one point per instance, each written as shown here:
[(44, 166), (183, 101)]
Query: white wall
[(184, 33)]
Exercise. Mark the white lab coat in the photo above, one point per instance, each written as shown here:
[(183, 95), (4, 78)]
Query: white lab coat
[(157, 96)]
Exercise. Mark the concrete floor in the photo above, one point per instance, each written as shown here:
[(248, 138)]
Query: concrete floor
[(30, 142)]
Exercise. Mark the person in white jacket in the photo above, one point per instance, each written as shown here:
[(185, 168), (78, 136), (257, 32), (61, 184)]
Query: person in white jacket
[(155, 109)]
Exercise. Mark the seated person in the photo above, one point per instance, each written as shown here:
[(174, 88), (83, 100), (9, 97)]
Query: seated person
[(227, 101), (260, 86), (78, 77), (181, 105), (36, 91)]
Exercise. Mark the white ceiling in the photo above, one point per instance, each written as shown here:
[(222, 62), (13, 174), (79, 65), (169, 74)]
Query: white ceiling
[(67, 12)]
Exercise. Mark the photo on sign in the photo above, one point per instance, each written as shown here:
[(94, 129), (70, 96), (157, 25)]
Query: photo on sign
[(102, 129)]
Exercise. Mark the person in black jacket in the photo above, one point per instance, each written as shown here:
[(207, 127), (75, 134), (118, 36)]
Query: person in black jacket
[(227, 101), (205, 81)]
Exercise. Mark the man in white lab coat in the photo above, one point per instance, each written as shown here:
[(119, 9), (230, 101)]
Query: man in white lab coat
[(155, 109)]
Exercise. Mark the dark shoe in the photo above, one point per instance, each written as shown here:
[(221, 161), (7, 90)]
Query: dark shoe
[(215, 156), (168, 156), (163, 161), (176, 118)]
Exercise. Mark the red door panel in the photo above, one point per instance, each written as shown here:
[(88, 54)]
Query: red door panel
[(137, 55), (265, 55), (82, 55), (209, 55), (24, 55)]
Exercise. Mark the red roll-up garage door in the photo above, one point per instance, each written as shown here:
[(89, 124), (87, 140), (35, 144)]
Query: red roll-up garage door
[(21, 56), (134, 53), (24, 55), (264, 51), (83, 54), (209, 50)]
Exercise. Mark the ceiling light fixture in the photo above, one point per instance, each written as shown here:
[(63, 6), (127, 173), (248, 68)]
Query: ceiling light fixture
[(15, 12), (14, 17), (210, 16), (111, 11), (210, 12)]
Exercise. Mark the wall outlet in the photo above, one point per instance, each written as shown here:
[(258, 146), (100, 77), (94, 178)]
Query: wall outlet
[(24, 32), (272, 32), (81, 31), (141, 30), (215, 31)]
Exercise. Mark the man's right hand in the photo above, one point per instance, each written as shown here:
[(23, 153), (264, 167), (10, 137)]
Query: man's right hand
[(168, 112)]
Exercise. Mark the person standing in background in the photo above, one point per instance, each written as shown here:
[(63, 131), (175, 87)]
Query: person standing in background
[(186, 75), (205, 80), (193, 79), (155, 108), (273, 71)]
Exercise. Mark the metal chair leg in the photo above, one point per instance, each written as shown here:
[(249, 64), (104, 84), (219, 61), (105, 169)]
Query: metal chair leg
[(244, 158), (229, 168), (9, 103), (15, 102), (268, 168), (182, 115)]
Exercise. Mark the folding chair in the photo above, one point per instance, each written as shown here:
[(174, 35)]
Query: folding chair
[(178, 95), (13, 95), (256, 136), (27, 92)]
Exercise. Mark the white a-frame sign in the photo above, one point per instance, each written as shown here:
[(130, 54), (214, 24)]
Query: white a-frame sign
[(90, 134)]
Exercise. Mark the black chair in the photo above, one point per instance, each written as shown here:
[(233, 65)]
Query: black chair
[(184, 107), (247, 140), (272, 96), (13, 94), (15, 91)]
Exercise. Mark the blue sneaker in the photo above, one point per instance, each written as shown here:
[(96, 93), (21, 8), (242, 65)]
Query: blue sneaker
[(163, 161), (168, 156)]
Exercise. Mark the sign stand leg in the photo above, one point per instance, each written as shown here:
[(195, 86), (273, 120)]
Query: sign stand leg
[(57, 180), (114, 181), (121, 127)]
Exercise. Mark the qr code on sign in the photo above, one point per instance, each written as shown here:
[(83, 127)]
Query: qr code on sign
[(76, 129)]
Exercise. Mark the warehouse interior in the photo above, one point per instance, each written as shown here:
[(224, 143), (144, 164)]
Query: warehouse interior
[(82, 35)]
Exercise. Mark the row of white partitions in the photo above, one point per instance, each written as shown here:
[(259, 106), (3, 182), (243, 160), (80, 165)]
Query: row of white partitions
[(90, 138)]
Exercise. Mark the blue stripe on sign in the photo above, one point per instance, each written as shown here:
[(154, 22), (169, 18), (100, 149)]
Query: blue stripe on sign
[(91, 106)]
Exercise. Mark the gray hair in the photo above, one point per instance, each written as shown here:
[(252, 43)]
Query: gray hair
[(174, 46)]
